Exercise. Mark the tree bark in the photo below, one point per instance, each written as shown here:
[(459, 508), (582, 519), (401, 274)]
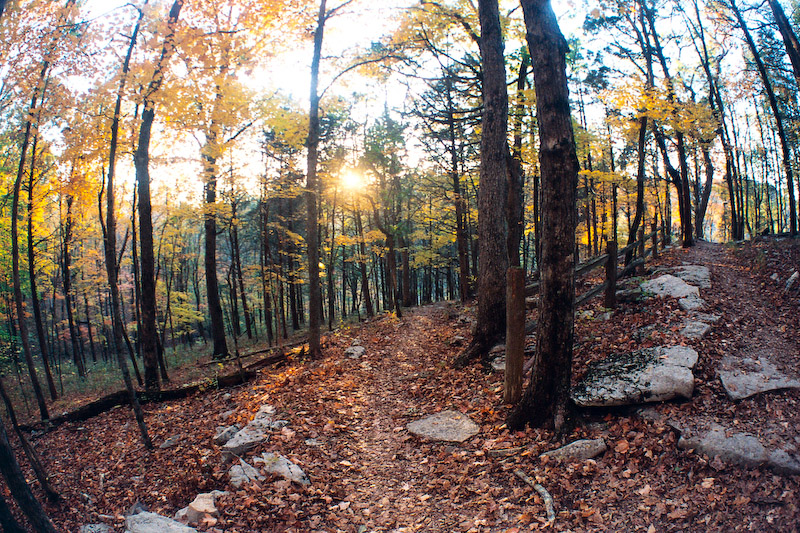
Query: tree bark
[(19, 487), (493, 192), (311, 193), (545, 400)]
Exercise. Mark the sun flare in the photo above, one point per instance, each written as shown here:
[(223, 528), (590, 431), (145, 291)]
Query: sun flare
[(352, 180)]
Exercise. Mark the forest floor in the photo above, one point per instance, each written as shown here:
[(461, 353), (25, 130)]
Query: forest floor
[(347, 430)]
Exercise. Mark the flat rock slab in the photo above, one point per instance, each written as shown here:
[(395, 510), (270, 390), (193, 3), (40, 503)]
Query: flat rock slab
[(254, 433), (450, 426), (95, 528), (692, 303), (580, 450), (696, 275), (277, 464), (650, 375), (243, 473), (669, 286), (152, 523), (693, 329), (741, 449), (747, 377)]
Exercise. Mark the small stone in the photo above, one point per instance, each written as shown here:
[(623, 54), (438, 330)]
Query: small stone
[(152, 523), (579, 450), (201, 508), (499, 363), (774, 276), (170, 442), (355, 352), (95, 528), (244, 441), (695, 330), (277, 464), (225, 433), (458, 340), (707, 318), (450, 426), (243, 473), (692, 303), (791, 281)]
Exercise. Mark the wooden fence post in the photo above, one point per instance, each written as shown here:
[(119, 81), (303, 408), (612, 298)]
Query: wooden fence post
[(655, 240), (610, 301), (515, 334)]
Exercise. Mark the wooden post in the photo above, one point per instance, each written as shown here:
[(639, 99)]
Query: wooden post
[(641, 249), (515, 334), (655, 240), (610, 301)]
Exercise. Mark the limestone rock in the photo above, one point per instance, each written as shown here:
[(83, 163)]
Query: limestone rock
[(696, 275), (243, 473), (95, 528), (650, 375), (244, 440), (355, 352), (499, 363), (579, 450), (739, 448), (747, 377), (277, 464), (668, 285), (225, 433), (784, 462), (147, 522), (170, 442), (201, 510), (692, 303), (695, 329), (707, 318), (450, 426)]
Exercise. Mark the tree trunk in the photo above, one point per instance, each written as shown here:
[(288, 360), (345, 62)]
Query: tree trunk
[(789, 37), (311, 193), (493, 193), (19, 487), (66, 273), (545, 399)]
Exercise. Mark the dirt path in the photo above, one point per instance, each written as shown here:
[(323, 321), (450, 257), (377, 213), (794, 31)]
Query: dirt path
[(347, 431)]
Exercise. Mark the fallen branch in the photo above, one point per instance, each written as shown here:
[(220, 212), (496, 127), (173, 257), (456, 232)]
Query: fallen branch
[(548, 500)]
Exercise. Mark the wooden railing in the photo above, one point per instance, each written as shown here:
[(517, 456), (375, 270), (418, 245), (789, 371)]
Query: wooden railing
[(640, 251)]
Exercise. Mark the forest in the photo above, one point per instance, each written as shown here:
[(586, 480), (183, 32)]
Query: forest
[(191, 179)]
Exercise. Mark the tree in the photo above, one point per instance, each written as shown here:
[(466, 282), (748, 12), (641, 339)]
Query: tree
[(147, 335), (493, 193), (546, 398), (776, 113)]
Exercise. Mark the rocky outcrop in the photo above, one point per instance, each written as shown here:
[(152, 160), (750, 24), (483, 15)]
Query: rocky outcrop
[(650, 375)]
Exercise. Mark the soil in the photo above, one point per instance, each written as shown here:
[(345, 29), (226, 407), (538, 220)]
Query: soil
[(348, 429)]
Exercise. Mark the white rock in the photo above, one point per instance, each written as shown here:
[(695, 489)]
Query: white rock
[(742, 378), (244, 441), (202, 507), (95, 528), (277, 464), (695, 330), (450, 426), (739, 448), (152, 523), (355, 352), (579, 450), (243, 473), (651, 375), (696, 275), (225, 433), (692, 303), (668, 285)]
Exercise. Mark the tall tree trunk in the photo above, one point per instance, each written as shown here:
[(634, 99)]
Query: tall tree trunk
[(18, 298), (248, 320), (148, 340), (35, 304), (776, 112), (362, 266), (311, 193), (545, 400), (789, 37), (493, 193), (66, 274)]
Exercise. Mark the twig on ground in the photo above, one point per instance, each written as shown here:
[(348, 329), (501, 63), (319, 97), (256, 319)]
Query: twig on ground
[(548, 499)]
